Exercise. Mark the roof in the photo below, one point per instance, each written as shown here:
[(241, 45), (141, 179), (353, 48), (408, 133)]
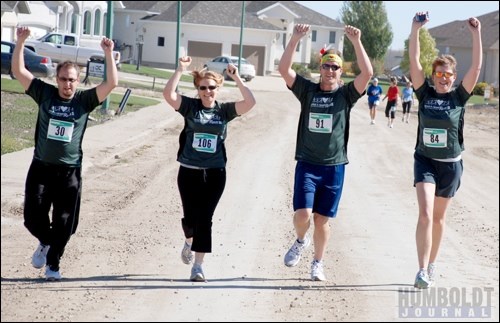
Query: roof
[(11, 6), (457, 34), (227, 13)]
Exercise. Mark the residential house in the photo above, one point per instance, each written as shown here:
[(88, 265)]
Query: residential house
[(454, 38), (212, 28), (10, 10), (84, 18), (147, 30)]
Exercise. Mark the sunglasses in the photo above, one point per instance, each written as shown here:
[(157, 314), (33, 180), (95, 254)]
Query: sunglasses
[(204, 88), (330, 67), (445, 74), (64, 80)]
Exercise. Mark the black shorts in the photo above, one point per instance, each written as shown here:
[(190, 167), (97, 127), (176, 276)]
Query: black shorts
[(446, 175)]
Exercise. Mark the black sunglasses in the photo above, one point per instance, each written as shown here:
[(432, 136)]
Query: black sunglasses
[(328, 67), (210, 87)]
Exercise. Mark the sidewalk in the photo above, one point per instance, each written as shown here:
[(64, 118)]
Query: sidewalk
[(105, 140)]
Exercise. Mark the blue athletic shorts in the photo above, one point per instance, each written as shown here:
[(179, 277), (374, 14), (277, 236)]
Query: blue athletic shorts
[(318, 188), (446, 175)]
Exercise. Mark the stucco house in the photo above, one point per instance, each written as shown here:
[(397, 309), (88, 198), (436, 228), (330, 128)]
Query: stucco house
[(212, 28), (10, 11), (454, 38), (148, 29), (84, 18)]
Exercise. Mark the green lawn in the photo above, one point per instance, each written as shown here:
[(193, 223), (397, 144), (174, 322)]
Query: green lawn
[(19, 113)]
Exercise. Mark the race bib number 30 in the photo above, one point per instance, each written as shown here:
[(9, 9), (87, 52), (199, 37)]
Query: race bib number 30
[(435, 138), (60, 130), (205, 142), (320, 122)]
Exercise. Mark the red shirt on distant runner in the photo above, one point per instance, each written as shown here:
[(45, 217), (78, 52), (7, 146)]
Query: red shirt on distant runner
[(393, 93)]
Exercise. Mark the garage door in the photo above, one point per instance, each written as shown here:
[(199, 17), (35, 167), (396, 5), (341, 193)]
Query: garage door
[(201, 52), (254, 54)]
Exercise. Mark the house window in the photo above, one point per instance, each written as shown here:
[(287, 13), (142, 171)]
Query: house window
[(97, 22), (298, 47), (86, 23), (74, 22), (105, 23), (161, 41), (332, 37), (314, 35)]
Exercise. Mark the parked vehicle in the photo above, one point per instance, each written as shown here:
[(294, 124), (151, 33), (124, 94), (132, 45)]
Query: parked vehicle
[(66, 47), (38, 65), (219, 65)]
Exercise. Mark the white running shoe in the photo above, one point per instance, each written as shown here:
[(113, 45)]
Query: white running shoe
[(421, 280), (52, 275), (197, 274), (186, 254), (292, 257), (317, 273), (39, 258)]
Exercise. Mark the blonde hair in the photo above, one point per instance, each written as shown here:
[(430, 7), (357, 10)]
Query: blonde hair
[(209, 75)]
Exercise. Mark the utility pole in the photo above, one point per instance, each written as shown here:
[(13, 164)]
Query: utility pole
[(178, 41), (241, 33), (109, 34)]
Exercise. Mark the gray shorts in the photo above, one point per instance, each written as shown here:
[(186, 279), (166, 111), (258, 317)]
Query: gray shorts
[(446, 175)]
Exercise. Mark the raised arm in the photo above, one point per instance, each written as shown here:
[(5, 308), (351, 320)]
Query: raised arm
[(248, 101), (285, 66), (169, 92), (416, 70), (365, 67), (472, 74), (18, 69), (111, 81)]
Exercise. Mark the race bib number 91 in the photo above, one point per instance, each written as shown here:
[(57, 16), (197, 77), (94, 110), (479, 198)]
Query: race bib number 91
[(320, 122), (205, 142), (435, 138), (60, 130)]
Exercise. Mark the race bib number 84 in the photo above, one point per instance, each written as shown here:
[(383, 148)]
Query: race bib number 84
[(60, 130), (435, 138), (320, 122)]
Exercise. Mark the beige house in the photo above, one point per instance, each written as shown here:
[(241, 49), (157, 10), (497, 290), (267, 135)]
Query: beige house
[(147, 30), (212, 28), (454, 38), (87, 19), (10, 11)]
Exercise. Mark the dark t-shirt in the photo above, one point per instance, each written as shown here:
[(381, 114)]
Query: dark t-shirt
[(205, 130), (440, 121), (61, 123), (323, 130)]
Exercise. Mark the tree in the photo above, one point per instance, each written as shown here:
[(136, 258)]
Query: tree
[(376, 32), (428, 53)]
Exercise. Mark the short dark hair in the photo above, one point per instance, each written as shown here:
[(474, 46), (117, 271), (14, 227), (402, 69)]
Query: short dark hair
[(68, 64)]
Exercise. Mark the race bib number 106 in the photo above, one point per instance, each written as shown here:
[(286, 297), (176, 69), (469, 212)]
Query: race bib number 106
[(205, 142)]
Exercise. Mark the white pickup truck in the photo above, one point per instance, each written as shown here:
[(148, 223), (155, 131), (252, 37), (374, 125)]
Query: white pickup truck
[(62, 47)]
